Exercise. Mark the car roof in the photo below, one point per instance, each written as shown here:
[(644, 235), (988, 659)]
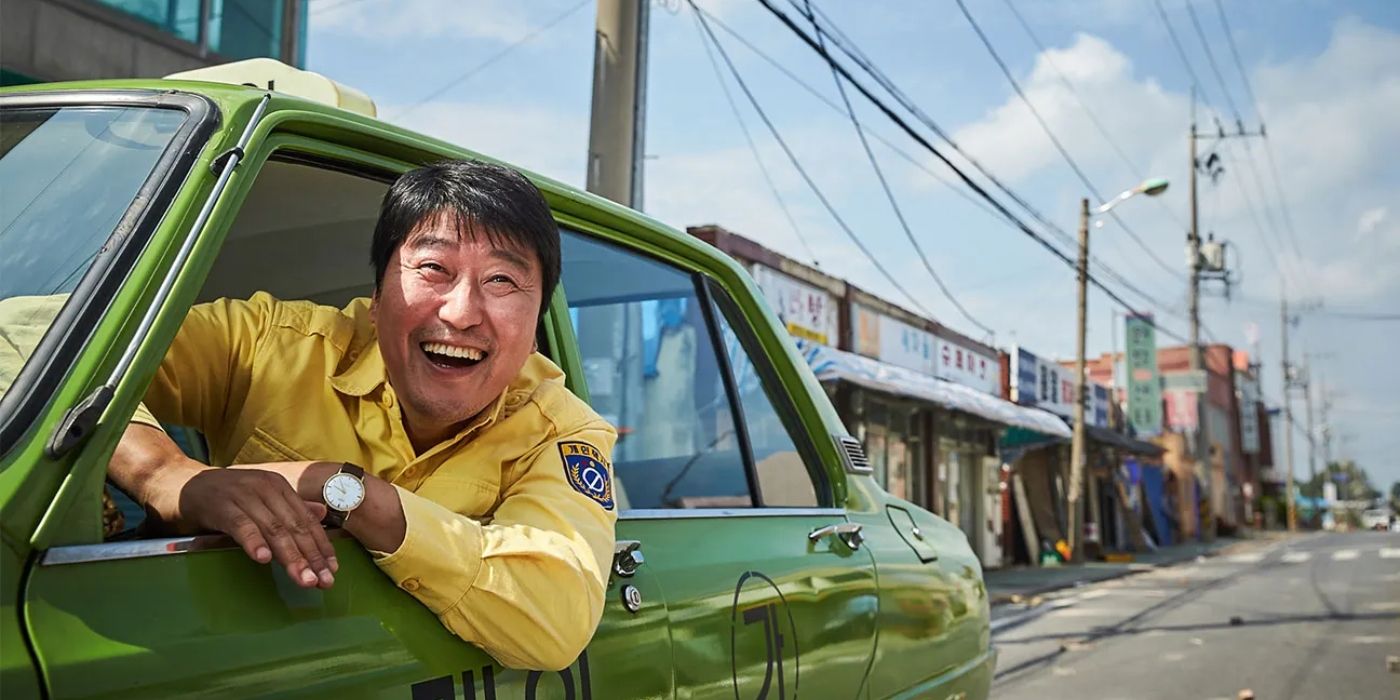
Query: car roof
[(564, 198)]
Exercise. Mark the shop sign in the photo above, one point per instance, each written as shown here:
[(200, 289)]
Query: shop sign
[(808, 312), (968, 367), (1024, 368), (1181, 410), (890, 340), (1047, 384), (1249, 413), (1144, 382)]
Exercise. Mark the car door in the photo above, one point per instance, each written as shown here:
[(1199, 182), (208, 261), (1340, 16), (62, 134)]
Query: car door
[(195, 616), (768, 592)]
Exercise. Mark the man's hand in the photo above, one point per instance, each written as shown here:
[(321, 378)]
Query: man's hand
[(258, 508), (265, 516)]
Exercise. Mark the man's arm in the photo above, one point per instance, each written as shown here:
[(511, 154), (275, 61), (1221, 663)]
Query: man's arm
[(256, 507), (529, 586), (204, 375)]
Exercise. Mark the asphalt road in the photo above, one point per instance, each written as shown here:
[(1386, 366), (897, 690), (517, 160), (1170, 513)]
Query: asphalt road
[(1316, 617)]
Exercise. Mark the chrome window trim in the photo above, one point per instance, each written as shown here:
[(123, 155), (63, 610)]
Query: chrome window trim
[(140, 549), (699, 513)]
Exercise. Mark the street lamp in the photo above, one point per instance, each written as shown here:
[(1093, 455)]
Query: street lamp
[(1151, 188)]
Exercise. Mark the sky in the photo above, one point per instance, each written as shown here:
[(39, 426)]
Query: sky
[(1312, 213)]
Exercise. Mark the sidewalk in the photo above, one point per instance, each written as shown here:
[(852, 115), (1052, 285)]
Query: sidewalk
[(1017, 584)]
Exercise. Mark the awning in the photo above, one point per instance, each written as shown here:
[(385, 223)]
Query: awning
[(831, 365), (1122, 442)]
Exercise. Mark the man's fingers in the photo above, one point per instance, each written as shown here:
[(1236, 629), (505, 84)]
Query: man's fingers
[(304, 534), (279, 538), (318, 513), (246, 533)]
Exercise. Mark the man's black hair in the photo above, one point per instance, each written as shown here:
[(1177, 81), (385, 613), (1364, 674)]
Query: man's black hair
[(485, 199)]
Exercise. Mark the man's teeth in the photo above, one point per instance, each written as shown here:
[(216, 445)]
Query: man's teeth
[(453, 351)]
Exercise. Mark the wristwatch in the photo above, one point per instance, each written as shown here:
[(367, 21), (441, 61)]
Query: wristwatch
[(343, 492)]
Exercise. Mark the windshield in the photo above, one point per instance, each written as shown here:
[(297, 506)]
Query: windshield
[(67, 177)]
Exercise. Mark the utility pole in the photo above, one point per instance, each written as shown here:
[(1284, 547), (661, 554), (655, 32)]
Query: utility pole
[(1076, 452), (1312, 441), (1193, 243), (617, 123), (1288, 417)]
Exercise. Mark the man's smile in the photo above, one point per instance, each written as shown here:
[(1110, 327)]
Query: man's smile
[(448, 356)]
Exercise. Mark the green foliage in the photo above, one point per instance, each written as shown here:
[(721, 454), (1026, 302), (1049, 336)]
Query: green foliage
[(1353, 484)]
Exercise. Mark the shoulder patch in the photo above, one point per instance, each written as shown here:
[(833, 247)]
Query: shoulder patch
[(587, 471)]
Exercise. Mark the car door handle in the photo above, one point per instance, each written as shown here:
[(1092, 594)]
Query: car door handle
[(850, 533), (627, 557)]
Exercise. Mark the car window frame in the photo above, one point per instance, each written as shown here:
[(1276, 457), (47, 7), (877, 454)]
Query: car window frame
[(706, 286), (38, 381)]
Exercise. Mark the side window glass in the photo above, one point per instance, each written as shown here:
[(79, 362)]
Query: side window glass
[(652, 371), (783, 477)]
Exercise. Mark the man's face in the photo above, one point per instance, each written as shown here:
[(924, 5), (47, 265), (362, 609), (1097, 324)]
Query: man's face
[(456, 317)]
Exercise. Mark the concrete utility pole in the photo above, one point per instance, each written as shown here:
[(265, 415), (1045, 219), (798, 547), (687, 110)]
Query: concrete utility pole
[(1287, 417), (617, 124), (1076, 454), (1193, 242)]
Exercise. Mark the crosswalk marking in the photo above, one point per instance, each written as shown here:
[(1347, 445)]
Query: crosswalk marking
[(1251, 558), (1296, 557), (1390, 552), (1345, 555)]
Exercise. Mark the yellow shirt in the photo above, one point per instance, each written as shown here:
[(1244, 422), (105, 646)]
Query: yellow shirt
[(510, 531)]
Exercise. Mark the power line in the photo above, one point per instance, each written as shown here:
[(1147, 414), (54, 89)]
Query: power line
[(493, 58), (738, 117), (884, 185), (1181, 52), (1044, 126), (753, 101), (1234, 51), (859, 58), (1093, 118), (922, 141), (1210, 58), (960, 192)]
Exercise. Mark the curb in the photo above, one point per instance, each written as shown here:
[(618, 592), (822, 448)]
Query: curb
[(1130, 570)]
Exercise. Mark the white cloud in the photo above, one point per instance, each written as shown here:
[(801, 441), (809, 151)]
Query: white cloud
[(545, 141), (1136, 113)]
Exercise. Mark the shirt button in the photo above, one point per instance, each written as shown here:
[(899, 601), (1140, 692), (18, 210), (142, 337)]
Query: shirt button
[(386, 400), (410, 584)]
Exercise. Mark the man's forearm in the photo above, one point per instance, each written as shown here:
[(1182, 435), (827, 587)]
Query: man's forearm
[(150, 467)]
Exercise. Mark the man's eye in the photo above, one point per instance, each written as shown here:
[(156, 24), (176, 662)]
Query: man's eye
[(501, 279), (432, 266)]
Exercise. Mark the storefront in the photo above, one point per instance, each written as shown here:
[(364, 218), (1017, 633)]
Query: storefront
[(930, 441)]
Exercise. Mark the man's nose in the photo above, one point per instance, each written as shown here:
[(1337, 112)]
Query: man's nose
[(461, 306)]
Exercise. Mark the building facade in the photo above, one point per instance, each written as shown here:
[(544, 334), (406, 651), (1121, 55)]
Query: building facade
[(57, 40)]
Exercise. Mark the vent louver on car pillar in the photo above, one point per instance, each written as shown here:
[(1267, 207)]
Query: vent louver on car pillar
[(853, 454)]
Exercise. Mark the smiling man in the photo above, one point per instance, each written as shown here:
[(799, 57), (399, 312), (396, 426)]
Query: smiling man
[(422, 421)]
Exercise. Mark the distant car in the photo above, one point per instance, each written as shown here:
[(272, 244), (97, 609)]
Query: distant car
[(1377, 519), (756, 556)]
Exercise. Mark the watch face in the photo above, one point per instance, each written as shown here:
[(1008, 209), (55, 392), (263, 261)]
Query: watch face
[(343, 492)]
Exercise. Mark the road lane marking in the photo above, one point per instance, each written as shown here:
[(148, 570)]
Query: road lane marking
[(1390, 552), (1293, 557), (1345, 555), (1251, 558)]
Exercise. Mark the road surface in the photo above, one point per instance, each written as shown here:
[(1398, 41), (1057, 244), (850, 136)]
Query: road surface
[(1309, 617)]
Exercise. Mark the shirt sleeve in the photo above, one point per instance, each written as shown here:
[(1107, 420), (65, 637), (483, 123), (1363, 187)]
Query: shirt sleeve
[(528, 586), (209, 366), (23, 323)]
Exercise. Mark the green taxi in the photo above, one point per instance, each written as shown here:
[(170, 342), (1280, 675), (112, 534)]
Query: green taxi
[(756, 557)]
